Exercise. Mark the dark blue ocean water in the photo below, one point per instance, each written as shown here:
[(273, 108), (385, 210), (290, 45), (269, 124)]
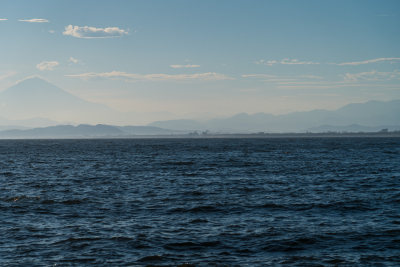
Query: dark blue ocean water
[(205, 202)]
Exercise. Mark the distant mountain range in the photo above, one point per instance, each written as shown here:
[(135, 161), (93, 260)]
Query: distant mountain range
[(85, 131), (6, 124), (369, 115), (34, 102)]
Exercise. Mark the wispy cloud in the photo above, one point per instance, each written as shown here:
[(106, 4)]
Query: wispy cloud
[(285, 61), (208, 76), (375, 60), (281, 78), (298, 81), (7, 75), (3, 19), (372, 76), (34, 20), (334, 84), (93, 32), (316, 84), (184, 66), (73, 60), (362, 79), (47, 65)]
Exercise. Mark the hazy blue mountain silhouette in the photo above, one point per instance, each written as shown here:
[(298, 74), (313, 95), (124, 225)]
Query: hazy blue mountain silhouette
[(182, 125), (369, 114), (147, 130), (27, 123), (35, 97), (64, 131), (46, 103), (372, 113), (84, 131)]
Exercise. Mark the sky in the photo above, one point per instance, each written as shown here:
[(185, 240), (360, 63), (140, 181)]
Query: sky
[(201, 58)]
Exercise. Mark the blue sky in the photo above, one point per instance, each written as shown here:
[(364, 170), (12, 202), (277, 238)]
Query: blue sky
[(206, 58)]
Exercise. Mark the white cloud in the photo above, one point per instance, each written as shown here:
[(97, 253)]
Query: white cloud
[(73, 60), (355, 63), (93, 32), (208, 76), (184, 66), (266, 62), (3, 19), (47, 65), (34, 20), (285, 61), (372, 76), (52, 31)]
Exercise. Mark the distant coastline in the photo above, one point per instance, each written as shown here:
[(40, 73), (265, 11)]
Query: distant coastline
[(146, 132)]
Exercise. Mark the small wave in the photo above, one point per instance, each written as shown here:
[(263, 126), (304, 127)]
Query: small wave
[(348, 206), (73, 201), (194, 193), (77, 240), (179, 163), (300, 261), (20, 198), (290, 245), (250, 189), (121, 238), (47, 202), (64, 202), (79, 260), (243, 251), (199, 221), (206, 208), (390, 152), (151, 258), (335, 261), (369, 259), (393, 232), (273, 206), (191, 245), (190, 174)]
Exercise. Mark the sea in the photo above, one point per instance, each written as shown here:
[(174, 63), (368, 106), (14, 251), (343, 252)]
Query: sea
[(200, 202)]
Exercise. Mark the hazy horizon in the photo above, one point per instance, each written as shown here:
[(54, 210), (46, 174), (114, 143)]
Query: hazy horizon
[(158, 60)]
